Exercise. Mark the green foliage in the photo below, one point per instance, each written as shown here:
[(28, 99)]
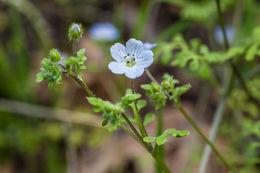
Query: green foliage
[(49, 71), (141, 104), (129, 98), (156, 93), (167, 89), (54, 55), (201, 11), (162, 139), (148, 118), (76, 63), (111, 112)]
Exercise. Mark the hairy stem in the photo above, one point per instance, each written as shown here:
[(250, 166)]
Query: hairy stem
[(75, 77), (83, 85)]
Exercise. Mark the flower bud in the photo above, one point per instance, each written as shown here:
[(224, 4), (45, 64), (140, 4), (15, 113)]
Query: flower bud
[(54, 55), (167, 84), (155, 87), (75, 31)]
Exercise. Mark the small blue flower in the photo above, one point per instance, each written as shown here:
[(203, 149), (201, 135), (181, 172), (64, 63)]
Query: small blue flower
[(130, 60), (104, 32), (149, 46), (219, 35)]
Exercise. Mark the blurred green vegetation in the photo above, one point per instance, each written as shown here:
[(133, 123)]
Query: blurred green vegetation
[(183, 28)]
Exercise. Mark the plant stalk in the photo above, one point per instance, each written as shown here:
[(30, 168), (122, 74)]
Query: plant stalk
[(203, 136), (139, 139), (159, 131), (83, 85), (136, 114)]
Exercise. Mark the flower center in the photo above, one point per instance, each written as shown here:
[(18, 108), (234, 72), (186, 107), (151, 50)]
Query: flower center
[(130, 60)]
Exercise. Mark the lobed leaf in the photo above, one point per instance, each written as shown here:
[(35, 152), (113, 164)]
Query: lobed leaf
[(148, 118)]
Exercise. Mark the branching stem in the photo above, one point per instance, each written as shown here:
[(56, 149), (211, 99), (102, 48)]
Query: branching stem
[(196, 127)]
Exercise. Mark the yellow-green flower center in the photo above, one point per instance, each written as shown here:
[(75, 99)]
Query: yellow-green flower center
[(130, 62)]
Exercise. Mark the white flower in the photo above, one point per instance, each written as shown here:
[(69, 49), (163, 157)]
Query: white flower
[(149, 46), (104, 32), (130, 60)]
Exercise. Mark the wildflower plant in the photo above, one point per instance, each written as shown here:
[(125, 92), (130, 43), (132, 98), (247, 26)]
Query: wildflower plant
[(131, 60)]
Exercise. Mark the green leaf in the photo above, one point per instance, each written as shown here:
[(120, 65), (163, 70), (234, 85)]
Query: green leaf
[(179, 134), (94, 101), (252, 52), (81, 52), (146, 87), (97, 103), (194, 65), (128, 91), (141, 104), (54, 55), (39, 77), (129, 98), (149, 139), (148, 118), (168, 132), (161, 140), (104, 123)]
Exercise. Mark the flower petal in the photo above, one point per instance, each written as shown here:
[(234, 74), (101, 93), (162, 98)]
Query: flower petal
[(134, 72), (117, 67), (149, 46), (118, 52), (145, 59), (134, 47)]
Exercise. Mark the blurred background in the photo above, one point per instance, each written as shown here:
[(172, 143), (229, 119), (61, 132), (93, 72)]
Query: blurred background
[(54, 130)]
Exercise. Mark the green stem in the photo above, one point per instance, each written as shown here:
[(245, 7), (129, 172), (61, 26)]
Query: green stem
[(160, 149), (74, 48), (151, 76), (161, 163), (83, 85), (133, 135), (75, 77), (139, 139), (187, 117), (136, 114), (132, 127)]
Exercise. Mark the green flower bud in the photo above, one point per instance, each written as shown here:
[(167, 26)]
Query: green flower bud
[(75, 31), (54, 55), (108, 107), (167, 84), (155, 87)]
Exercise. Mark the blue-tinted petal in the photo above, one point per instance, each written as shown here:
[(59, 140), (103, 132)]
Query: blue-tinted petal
[(134, 72), (149, 46), (134, 47), (117, 67), (118, 52), (145, 59)]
